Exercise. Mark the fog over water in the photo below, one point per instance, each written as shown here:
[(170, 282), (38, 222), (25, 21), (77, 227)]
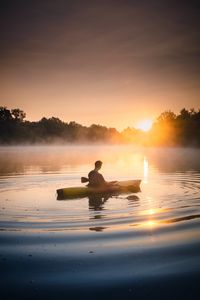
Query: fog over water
[(128, 245)]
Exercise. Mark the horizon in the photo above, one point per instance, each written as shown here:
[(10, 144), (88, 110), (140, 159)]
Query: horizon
[(144, 125)]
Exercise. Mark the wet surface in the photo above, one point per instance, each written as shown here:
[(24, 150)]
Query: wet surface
[(125, 246)]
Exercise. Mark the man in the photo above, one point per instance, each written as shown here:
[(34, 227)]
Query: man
[(95, 178)]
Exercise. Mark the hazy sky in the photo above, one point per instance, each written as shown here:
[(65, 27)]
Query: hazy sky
[(110, 62)]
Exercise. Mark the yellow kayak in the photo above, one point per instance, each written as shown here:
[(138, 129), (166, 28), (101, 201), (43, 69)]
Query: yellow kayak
[(132, 186)]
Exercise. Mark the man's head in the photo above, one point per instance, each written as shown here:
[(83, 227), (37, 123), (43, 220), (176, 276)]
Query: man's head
[(98, 164)]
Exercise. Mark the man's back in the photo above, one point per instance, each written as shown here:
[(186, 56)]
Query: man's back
[(96, 179)]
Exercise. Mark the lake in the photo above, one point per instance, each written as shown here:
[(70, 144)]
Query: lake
[(140, 247)]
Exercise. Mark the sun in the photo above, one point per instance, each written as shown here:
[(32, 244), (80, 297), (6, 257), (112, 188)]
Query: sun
[(144, 125)]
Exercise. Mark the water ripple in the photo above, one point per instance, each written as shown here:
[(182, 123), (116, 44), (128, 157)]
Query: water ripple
[(121, 241)]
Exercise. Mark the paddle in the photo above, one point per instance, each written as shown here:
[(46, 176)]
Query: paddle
[(84, 179)]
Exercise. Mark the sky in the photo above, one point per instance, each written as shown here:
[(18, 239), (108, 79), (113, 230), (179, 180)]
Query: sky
[(113, 62)]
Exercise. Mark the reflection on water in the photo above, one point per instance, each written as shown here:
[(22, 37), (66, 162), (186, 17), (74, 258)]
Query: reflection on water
[(97, 205), (56, 159), (113, 239), (29, 177), (146, 169), (96, 202)]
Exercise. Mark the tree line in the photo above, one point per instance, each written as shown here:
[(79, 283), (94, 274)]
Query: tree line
[(15, 129), (182, 129), (169, 129)]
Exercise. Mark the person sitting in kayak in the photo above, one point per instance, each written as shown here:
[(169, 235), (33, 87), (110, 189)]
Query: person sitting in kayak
[(96, 179)]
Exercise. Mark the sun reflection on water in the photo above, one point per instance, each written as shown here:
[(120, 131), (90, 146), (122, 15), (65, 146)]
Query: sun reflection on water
[(145, 170), (153, 211), (149, 223)]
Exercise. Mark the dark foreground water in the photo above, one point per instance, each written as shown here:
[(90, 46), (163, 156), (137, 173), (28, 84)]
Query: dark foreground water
[(146, 246)]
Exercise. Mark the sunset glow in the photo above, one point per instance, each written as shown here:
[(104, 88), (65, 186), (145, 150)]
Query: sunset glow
[(144, 125), (74, 65)]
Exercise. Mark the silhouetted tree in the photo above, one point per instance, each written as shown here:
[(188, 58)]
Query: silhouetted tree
[(177, 130), (166, 116), (18, 114), (5, 114), (168, 130)]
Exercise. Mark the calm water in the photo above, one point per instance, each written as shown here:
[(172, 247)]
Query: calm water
[(146, 246)]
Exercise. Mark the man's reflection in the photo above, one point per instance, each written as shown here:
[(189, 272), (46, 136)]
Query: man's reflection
[(96, 202)]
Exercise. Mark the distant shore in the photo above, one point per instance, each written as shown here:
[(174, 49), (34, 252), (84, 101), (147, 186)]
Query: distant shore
[(169, 130)]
